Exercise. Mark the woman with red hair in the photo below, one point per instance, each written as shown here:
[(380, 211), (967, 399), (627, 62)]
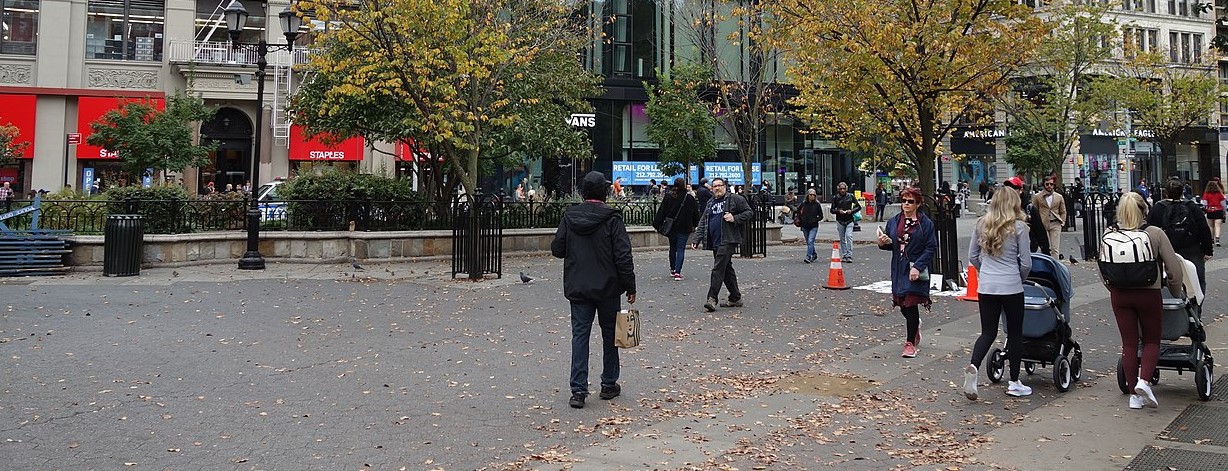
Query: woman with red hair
[(911, 238)]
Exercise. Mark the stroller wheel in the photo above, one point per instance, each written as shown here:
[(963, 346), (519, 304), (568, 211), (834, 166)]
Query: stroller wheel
[(1121, 379), (1203, 377), (1029, 367), (994, 365), (1076, 365), (1061, 374)]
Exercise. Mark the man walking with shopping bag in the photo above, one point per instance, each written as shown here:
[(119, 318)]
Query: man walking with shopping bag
[(597, 268)]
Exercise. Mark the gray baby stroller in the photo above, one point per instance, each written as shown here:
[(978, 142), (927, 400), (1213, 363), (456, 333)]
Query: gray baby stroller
[(1182, 318), (1047, 337)]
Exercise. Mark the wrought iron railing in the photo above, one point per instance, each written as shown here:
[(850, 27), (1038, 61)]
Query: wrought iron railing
[(203, 215), (214, 52)]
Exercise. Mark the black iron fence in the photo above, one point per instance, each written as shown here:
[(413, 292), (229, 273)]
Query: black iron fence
[(947, 263), (477, 236), (1099, 210), (203, 215), (754, 233)]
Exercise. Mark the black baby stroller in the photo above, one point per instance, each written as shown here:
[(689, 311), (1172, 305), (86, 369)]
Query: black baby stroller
[(1046, 326), (1182, 318)]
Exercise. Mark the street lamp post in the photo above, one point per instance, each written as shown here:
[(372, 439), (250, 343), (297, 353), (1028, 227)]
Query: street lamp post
[(236, 19)]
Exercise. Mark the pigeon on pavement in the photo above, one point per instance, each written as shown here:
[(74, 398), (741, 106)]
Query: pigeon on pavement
[(356, 265), (525, 278)]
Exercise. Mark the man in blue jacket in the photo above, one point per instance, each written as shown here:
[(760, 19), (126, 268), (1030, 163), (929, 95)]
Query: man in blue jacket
[(720, 230), (597, 268)]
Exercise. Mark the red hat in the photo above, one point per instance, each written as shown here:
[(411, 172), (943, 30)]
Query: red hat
[(1014, 182)]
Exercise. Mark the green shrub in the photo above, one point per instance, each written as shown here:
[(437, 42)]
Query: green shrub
[(343, 195)]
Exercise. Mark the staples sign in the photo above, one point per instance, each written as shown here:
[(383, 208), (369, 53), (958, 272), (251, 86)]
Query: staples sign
[(303, 147), (326, 155)]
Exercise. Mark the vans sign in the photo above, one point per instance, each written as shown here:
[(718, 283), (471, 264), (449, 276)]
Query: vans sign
[(582, 120)]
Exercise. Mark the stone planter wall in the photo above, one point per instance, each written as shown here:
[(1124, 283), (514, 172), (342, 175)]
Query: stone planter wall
[(329, 247)]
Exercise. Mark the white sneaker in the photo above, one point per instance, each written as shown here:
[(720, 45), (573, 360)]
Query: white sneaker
[(1017, 389), (970, 382), (1143, 390), (1136, 401)]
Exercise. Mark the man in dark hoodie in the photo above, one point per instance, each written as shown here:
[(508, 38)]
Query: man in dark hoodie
[(597, 269), (720, 230)]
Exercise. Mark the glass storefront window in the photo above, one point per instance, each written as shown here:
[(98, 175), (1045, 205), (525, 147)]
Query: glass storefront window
[(19, 26), (125, 30)]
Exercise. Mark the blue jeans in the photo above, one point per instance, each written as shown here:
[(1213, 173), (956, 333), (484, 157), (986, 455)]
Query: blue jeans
[(582, 314), (677, 251), (810, 234), (845, 231)]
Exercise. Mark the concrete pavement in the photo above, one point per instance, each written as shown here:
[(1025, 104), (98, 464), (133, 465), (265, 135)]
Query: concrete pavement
[(400, 367)]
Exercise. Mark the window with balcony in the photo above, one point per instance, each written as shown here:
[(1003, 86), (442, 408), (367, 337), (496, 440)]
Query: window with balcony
[(18, 27), (125, 30), (211, 25)]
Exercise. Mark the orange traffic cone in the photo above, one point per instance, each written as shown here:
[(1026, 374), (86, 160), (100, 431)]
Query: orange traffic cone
[(835, 275), (971, 295)]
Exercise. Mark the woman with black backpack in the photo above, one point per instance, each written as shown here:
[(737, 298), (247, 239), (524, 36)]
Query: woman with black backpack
[(1133, 256)]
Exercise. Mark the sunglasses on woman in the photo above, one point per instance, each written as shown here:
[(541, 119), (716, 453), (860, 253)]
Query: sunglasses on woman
[(908, 201)]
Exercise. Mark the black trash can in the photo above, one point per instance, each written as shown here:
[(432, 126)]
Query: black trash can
[(122, 242)]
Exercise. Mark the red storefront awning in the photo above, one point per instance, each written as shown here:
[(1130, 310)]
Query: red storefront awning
[(20, 111), (310, 148), (411, 151), (89, 109)]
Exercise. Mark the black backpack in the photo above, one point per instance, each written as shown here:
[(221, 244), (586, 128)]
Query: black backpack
[(1179, 223)]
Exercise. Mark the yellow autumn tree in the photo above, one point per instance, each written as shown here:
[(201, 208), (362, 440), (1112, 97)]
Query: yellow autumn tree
[(902, 70), (466, 80)]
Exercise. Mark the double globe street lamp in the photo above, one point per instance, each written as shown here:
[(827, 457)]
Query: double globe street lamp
[(236, 19)]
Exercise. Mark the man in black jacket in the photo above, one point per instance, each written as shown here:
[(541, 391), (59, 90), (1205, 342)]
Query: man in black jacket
[(597, 269), (845, 207), (703, 193), (720, 230), (1185, 224)]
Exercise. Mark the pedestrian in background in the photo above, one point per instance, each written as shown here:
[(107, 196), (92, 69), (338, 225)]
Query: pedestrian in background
[(809, 213), (1051, 209), (681, 206), (6, 195), (999, 251), (720, 230), (912, 241), (845, 207), (1213, 198), (597, 268), (1139, 311), (702, 195), (881, 198), (1185, 224)]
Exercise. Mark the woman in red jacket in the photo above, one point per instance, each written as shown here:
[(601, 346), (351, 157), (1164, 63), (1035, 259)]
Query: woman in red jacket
[(1213, 196)]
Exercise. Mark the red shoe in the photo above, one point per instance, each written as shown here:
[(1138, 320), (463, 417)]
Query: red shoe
[(910, 350)]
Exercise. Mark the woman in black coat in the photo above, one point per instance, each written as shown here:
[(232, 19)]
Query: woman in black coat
[(682, 207)]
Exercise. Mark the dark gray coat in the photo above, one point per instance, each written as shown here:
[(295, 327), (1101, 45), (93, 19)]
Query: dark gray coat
[(731, 232)]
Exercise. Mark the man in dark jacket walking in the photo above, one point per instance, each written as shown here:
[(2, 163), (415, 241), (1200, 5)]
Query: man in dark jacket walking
[(720, 230), (597, 269), (703, 193), (845, 207), (1185, 224)]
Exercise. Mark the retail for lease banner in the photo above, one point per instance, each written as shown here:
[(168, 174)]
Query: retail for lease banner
[(642, 172)]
